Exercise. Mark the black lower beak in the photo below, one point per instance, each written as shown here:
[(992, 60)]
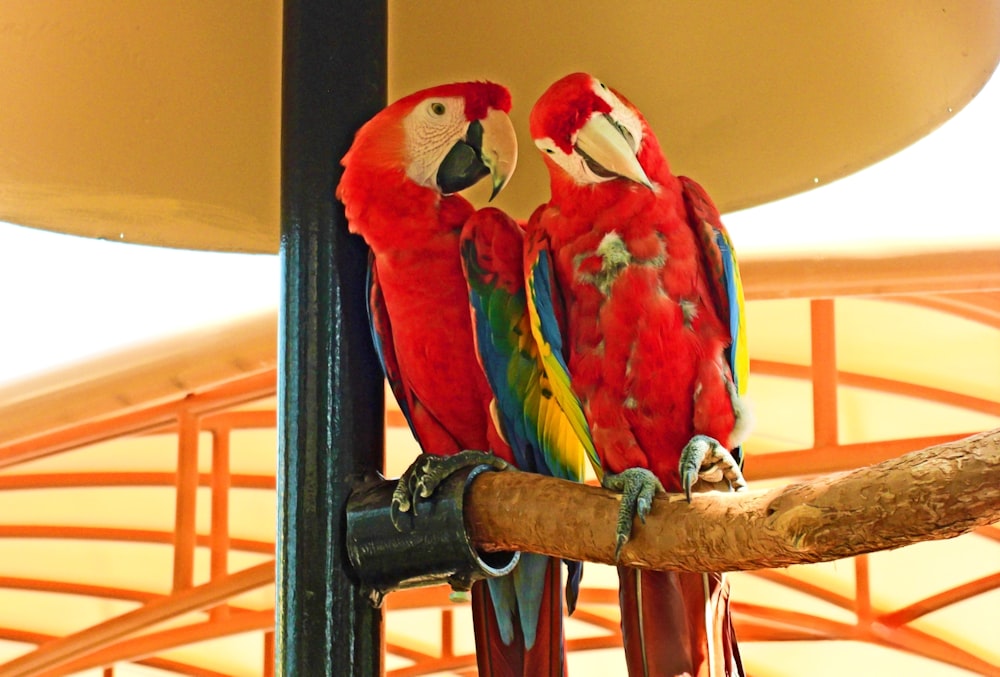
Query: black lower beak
[(463, 166), (594, 165)]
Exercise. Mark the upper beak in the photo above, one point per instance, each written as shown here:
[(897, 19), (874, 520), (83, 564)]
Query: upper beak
[(607, 152), (489, 147), (499, 148)]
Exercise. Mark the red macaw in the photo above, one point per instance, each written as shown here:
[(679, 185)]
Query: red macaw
[(647, 296), (398, 188)]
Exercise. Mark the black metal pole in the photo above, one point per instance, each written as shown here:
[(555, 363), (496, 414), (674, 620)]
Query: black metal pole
[(330, 387)]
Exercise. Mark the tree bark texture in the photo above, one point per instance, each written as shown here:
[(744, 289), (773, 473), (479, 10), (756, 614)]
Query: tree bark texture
[(939, 492)]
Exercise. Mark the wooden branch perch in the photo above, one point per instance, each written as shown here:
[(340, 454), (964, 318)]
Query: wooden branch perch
[(939, 492)]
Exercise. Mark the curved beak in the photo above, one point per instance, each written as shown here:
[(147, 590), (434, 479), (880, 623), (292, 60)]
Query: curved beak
[(607, 151), (499, 148), (489, 147)]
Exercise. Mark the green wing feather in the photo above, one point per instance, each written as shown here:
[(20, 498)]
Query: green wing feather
[(544, 436)]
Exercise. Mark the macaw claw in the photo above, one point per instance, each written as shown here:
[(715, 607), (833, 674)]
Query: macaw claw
[(638, 486), (424, 475), (704, 459)]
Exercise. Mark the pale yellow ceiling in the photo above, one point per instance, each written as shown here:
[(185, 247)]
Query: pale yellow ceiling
[(154, 122)]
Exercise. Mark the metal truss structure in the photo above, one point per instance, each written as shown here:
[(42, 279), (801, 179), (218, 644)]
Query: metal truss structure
[(205, 605)]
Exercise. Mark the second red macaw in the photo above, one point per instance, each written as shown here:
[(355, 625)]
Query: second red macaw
[(644, 290)]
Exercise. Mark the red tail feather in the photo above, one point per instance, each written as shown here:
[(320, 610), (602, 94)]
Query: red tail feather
[(676, 623), (547, 658)]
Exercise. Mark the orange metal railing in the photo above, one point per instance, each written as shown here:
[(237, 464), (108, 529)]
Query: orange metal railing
[(222, 408)]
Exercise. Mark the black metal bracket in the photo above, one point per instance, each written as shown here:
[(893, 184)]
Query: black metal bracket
[(437, 549)]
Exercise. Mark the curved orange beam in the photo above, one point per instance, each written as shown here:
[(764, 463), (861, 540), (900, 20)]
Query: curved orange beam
[(820, 460), (156, 642), (990, 532), (61, 480), (805, 587), (23, 636), (37, 638), (71, 588), (885, 385), (123, 535), (923, 644), (982, 307), (66, 650), (239, 391), (752, 631), (89, 590), (817, 626), (931, 604), (886, 629)]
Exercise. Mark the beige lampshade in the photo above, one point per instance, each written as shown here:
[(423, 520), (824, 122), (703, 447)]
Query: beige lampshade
[(158, 123)]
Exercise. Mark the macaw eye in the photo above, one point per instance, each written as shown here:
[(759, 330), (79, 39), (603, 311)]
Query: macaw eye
[(549, 151), (438, 108)]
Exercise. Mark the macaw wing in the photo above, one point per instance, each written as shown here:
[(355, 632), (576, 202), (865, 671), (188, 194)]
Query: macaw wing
[(544, 309), (381, 329), (724, 275), (542, 437)]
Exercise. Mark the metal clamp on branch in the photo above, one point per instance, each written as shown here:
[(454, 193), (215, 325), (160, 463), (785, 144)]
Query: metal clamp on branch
[(434, 548)]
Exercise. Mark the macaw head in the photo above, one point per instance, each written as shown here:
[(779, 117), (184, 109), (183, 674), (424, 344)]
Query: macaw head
[(445, 138), (590, 132)]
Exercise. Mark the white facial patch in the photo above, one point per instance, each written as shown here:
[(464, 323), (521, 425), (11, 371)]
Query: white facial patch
[(571, 163), (431, 129)]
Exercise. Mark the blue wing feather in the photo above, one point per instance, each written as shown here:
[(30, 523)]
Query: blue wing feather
[(548, 336), (541, 285), (734, 294), (532, 420)]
